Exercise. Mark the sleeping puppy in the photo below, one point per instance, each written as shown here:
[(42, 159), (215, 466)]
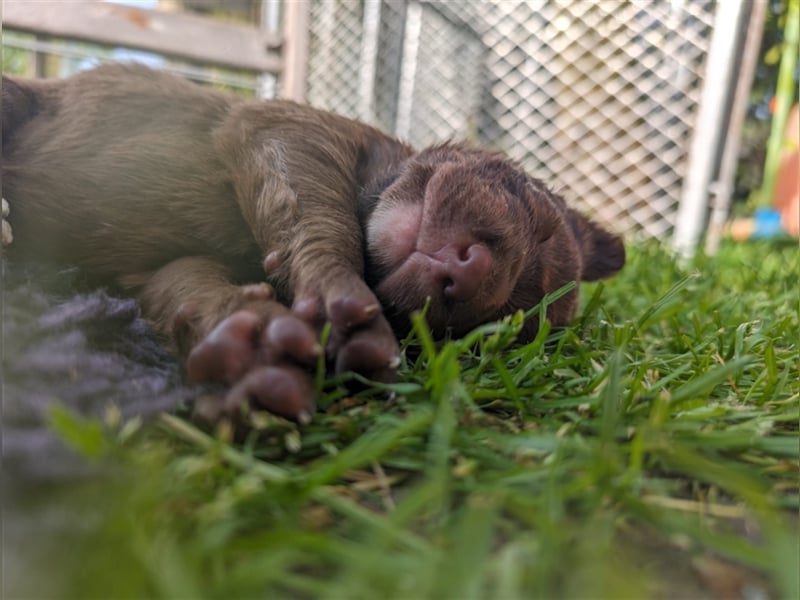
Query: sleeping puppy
[(243, 226)]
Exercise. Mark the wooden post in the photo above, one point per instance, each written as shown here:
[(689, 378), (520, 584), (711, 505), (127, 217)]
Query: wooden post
[(295, 49)]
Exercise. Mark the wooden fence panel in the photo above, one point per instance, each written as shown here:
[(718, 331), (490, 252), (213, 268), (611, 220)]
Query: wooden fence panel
[(175, 35)]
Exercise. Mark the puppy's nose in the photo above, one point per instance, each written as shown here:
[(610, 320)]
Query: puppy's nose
[(463, 270)]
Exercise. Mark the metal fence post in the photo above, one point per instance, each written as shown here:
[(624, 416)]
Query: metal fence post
[(295, 49), (723, 190), (693, 207)]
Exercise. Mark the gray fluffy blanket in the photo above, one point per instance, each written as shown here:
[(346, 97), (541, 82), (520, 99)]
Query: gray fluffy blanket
[(85, 350)]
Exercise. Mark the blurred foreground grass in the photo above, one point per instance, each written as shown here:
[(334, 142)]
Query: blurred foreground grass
[(649, 450)]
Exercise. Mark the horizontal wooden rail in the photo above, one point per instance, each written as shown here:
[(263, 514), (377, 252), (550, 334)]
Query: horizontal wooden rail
[(175, 35)]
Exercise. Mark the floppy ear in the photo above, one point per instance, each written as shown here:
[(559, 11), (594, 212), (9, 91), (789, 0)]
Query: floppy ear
[(603, 253)]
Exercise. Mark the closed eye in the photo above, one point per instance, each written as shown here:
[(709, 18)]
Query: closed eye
[(490, 237), (380, 183)]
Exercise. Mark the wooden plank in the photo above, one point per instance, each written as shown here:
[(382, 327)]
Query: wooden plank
[(177, 35)]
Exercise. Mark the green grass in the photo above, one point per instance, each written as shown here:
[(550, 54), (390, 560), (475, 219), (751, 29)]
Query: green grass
[(649, 450)]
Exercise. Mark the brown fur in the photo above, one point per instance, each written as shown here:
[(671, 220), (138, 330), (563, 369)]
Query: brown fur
[(186, 196)]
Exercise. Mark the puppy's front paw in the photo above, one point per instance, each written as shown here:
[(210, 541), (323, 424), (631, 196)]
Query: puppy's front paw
[(7, 236), (361, 339), (264, 357)]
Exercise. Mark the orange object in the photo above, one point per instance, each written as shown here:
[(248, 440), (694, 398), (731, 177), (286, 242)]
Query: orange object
[(786, 198)]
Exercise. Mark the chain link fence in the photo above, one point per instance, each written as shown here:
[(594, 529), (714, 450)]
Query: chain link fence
[(598, 98)]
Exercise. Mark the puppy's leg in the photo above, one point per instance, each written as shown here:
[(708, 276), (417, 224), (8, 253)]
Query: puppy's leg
[(234, 335), (313, 232)]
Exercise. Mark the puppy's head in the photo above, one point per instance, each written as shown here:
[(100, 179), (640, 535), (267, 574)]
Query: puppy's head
[(470, 232)]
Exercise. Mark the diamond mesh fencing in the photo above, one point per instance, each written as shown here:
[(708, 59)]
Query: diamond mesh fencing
[(595, 97)]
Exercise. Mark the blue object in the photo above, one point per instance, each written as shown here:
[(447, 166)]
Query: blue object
[(767, 222)]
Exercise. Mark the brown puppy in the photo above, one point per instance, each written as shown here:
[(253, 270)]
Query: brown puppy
[(188, 196)]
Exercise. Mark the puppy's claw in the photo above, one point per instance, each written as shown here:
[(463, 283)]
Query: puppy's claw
[(7, 236), (5, 233), (349, 312), (304, 417), (285, 391), (272, 263), (257, 291), (371, 311)]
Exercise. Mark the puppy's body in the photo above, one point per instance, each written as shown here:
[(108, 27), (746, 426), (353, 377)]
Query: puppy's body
[(122, 168), (186, 195)]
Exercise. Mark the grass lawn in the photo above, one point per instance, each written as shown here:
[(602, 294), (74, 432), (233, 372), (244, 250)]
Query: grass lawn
[(649, 450)]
